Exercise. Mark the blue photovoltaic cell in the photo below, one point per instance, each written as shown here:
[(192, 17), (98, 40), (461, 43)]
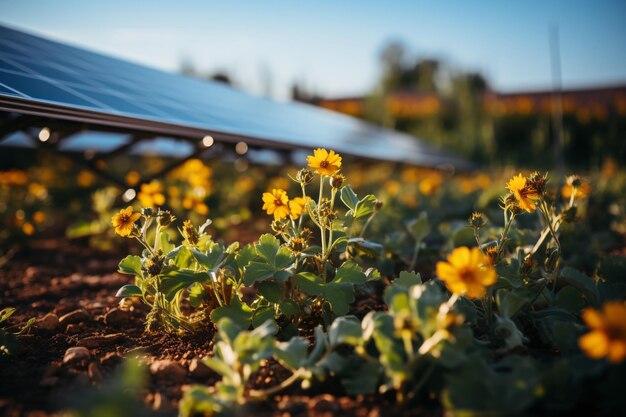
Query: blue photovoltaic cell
[(49, 72)]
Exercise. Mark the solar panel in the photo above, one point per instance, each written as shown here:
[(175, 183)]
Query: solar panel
[(44, 77)]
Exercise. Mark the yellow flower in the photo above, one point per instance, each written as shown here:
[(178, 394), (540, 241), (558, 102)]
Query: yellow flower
[(151, 195), (276, 203), (124, 221), (296, 206), (467, 272), (582, 187), (523, 193), (324, 162), (195, 201), (607, 337)]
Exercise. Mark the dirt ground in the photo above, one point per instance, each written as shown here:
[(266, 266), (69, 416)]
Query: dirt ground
[(71, 290)]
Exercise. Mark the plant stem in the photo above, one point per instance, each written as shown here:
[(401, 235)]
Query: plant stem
[(416, 251), (321, 225), (367, 223), (263, 393)]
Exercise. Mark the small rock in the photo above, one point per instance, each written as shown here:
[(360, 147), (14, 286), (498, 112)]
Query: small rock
[(199, 370), (93, 372), (97, 341), (76, 354), (116, 316), (110, 359), (168, 370), (75, 316), (48, 322), (72, 329), (326, 404)]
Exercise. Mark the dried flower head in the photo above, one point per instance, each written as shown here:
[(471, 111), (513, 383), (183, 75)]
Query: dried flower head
[(324, 162), (537, 182), (190, 233), (165, 218), (297, 244), (124, 221), (337, 180)]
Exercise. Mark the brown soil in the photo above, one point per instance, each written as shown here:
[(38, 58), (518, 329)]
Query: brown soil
[(61, 277)]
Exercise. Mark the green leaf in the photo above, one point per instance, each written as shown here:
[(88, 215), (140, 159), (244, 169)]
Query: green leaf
[(270, 291), (583, 283), (176, 280), (349, 198), (267, 247), (289, 308), (197, 294), (345, 330), (164, 243), (292, 354), (419, 227), (340, 296), (261, 315), (365, 207), (363, 379), (510, 302), (310, 283), (237, 311), (129, 291), (222, 368), (367, 247), (570, 299), (210, 260), (407, 279), (130, 265), (257, 271), (245, 255), (350, 272)]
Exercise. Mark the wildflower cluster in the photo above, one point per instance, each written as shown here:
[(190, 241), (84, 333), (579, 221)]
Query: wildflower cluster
[(472, 316)]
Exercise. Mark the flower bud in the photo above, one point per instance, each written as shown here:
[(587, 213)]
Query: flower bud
[(166, 218), (147, 211), (304, 176), (378, 205), (337, 180), (477, 220)]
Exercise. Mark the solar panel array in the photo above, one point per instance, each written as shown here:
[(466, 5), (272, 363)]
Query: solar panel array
[(38, 70)]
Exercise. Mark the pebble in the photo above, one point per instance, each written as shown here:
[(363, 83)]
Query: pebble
[(116, 316), (76, 354), (48, 322), (72, 329), (326, 404), (97, 341), (168, 370), (199, 370), (75, 316), (111, 359)]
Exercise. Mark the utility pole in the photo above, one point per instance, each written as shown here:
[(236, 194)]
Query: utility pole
[(557, 100)]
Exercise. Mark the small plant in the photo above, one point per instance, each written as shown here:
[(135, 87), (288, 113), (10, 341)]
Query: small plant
[(8, 341), (292, 275)]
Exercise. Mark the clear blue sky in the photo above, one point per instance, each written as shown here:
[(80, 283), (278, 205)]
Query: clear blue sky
[(333, 46)]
